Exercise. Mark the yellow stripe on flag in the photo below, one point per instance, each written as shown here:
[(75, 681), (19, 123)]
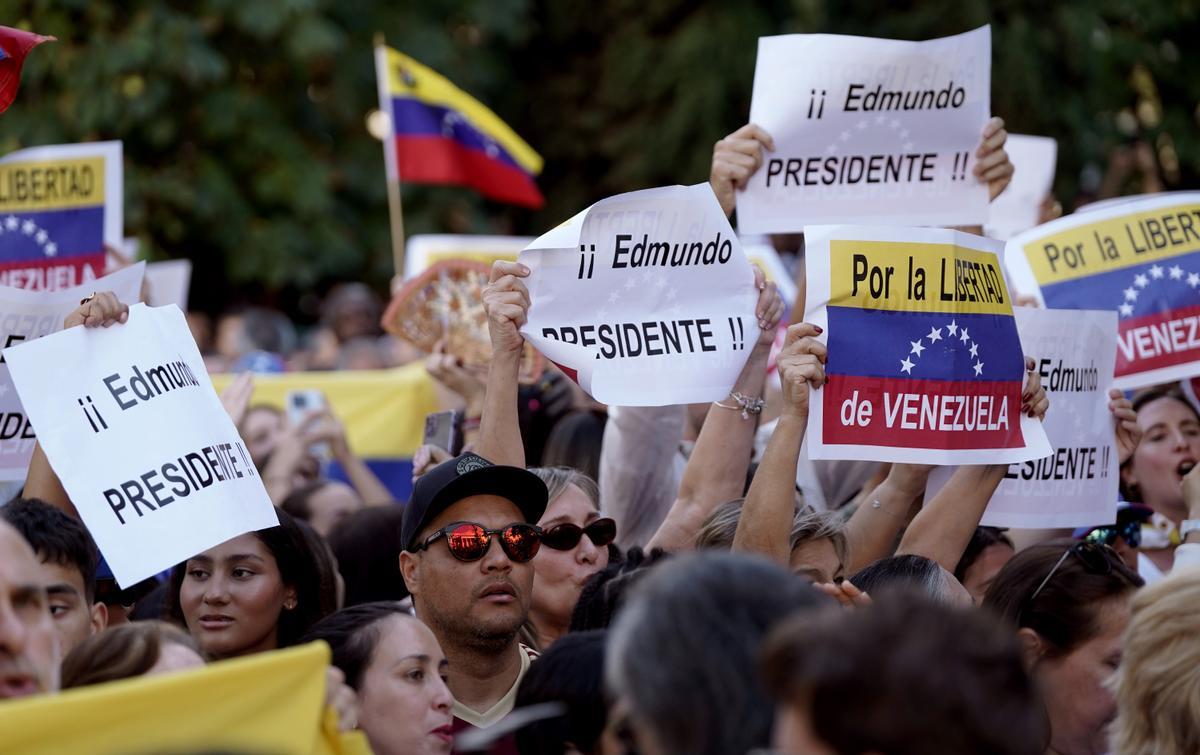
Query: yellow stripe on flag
[(408, 78), (270, 702), (52, 184), (383, 410)]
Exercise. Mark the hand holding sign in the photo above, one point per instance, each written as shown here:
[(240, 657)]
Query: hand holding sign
[(506, 301), (992, 165), (98, 310), (801, 367), (1125, 425), (735, 159)]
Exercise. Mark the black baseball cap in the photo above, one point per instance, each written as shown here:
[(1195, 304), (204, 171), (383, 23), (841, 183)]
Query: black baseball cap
[(465, 476)]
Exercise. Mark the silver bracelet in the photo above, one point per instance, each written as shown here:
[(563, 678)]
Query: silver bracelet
[(745, 404)]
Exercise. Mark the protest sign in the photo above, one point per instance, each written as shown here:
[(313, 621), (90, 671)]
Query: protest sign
[(645, 298), (423, 251), (135, 431), (925, 364), (1076, 486), (868, 131), (1018, 208), (266, 702), (59, 206), (1140, 258), (24, 316)]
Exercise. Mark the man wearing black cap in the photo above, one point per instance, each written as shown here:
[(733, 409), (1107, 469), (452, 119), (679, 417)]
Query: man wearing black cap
[(469, 535)]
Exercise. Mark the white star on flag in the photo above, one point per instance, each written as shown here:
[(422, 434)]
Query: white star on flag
[(952, 328), (1126, 310), (917, 348), (964, 337), (1193, 280), (1131, 294), (906, 366), (613, 297), (630, 284), (50, 249), (880, 119), (1156, 272), (41, 237), (11, 223), (974, 349), (28, 227), (1141, 281), (1176, 272), (935, 334), (978, 369)]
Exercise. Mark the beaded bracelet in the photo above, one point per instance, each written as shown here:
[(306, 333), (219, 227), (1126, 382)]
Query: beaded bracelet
[(745, 404)]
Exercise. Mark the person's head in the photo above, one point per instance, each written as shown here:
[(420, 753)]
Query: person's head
[(571, 672), (398, 672), (818, 544), (1069, 603), (1157, 687), (140, 648), (903, 676), (987, 552), (575, 443), (1125, 536), (29, 646), (323, 504), (604, 593), (681, 652), (260, 428), (68, 559), (367, 547), (1170, 446), (352, 310), (575, 544), (258, 591), (914, 574), (469, 538)]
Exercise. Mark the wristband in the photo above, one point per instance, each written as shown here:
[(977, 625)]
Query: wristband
[(1188, 526)]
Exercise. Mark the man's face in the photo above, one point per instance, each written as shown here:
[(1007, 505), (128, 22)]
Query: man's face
[(75, 618), (29, 646), (481, 603)]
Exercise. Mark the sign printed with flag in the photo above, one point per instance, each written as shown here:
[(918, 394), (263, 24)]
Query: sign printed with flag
[(1076, 486), (645, 298), (442, 135), (1140, 258), (59, 206), (925, 364)]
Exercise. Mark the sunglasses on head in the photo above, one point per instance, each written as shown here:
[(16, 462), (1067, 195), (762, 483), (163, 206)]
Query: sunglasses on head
[(1130, 532), (469, 541), (564, 537), (1096, 559)]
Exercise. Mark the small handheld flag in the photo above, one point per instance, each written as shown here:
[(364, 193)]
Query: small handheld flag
[(14, 46)]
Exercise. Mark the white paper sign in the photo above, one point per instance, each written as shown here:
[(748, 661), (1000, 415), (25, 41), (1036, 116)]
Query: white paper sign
[(924, 360), (132, 425), (645, 298), (1019, 206), (1076, 486), (167, 282), (24, 316), (868, 131)]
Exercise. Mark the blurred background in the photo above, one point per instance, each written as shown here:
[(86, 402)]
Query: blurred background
[(246, 122)]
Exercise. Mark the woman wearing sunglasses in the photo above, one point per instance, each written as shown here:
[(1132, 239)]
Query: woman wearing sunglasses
[(575, 545), (1069, 602)]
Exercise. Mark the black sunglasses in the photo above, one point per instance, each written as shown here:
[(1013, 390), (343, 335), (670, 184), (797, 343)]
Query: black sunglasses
[(469, 541), (564, 537), (1130, 532), (1096, 558)]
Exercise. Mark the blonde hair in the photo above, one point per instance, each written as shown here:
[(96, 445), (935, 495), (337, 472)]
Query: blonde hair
[(558, 479), (1158, 687), (121, 652)]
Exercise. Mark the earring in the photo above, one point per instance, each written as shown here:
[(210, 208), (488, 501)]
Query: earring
[(289, 604)]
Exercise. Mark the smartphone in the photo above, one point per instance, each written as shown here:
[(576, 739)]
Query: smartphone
[(299, 405), (445, 430)]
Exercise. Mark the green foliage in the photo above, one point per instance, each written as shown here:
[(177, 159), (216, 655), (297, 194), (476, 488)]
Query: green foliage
[(246, 146)]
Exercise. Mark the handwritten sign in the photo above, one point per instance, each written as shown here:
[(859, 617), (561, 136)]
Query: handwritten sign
[(645, 299), (925, 364), (59, 206), (135, 431), (1076, 485), (1139, 258), (868, 131)]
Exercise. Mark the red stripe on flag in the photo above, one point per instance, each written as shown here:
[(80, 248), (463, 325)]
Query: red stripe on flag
[(53, 274), (922, 413), (1158, 340), (438, 160)]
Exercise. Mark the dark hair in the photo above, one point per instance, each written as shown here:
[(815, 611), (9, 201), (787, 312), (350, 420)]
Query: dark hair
[(1140, 399), (121, 652), (604, 592), (906, 676), (982, 539), (298, 569), (56, 538), (352, 634), (323, 559), (297, 502), (367, 547), (570, 672), (575, 443), (909, 571), (682, 650), (1064, 612)]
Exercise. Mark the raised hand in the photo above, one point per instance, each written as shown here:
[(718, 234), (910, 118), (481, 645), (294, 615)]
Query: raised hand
[(801, 367), (1125, 426), (735, 159), (1033, 398), (506, 301), (98, 310)]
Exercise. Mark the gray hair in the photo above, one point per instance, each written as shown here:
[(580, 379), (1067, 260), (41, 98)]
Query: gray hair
[(809, 524), (558, 479)]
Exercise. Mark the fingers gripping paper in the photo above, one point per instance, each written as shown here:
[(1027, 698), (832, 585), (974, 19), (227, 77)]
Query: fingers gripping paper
[(925, 363), (645, 299), (131, 424)]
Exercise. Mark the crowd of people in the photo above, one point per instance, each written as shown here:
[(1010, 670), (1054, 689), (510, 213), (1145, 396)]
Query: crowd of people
[(668, 581)]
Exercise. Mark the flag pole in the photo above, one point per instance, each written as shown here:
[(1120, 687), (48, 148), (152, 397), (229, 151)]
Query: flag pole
[(391, 166)]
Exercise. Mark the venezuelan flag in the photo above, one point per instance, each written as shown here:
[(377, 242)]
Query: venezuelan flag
[(442, 135), (943, 370)]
